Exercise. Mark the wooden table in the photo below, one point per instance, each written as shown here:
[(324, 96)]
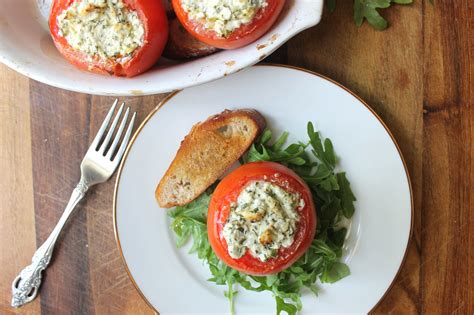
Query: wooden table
[(417, 75)]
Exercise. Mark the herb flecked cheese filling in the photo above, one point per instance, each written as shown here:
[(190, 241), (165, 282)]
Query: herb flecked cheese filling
[(263, 220), (222, 16), (102, 28)]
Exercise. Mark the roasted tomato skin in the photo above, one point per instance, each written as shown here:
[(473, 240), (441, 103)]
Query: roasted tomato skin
[(244, 35), (227, 192), (153, 16), (181, 45)]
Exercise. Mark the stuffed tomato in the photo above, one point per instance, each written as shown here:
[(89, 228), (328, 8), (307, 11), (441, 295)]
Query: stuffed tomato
[(227, 24), (119, 37), (261, 218)]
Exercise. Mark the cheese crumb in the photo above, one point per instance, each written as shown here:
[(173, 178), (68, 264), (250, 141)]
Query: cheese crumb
[(102, 28), (223, 16), (262, 220)]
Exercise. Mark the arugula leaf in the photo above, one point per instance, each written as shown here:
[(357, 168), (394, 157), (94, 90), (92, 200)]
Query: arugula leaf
[(230, 294), (331, 4), (367, 9), (337, 237), (196, 210), (330, 210), (346, 195), (333, 197), (256, 153), (282, 306), (266, 136), (324, 153), (334, 272), (261, 151), (280, 141)]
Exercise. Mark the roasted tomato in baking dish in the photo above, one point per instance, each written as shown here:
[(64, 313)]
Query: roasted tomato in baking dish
[(227, 24), (261, 218), (181, 45), (119, 37)]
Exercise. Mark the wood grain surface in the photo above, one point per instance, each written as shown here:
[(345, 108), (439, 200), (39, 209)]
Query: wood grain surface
[(417, 75)]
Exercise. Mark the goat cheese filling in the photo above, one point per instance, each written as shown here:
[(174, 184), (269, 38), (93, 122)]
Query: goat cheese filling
[(222, 16), (262, 220), (102, 28)]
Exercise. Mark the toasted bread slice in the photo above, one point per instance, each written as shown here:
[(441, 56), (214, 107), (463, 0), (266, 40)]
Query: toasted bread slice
[(206, 153)]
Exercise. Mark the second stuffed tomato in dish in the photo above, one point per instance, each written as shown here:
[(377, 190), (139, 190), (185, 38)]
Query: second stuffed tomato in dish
[(261, 218), (119, 37), (227, 24)]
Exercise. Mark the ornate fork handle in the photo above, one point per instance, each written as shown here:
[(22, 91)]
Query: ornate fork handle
[(26, 284), (100, 162)]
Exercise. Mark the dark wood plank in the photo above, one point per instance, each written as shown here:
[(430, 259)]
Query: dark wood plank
[(113, 292), (17, 220), (448, 173), (60, 131), (87, 274), (385, 69)]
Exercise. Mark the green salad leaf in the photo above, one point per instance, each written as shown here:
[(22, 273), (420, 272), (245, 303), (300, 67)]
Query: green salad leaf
[(369, 10), (334, 201), (331, 5)]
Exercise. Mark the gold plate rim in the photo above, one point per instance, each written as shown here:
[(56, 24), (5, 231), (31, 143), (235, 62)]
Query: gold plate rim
[(171, 95)]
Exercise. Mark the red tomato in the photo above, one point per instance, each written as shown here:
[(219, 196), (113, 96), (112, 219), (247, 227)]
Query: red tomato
[(227, 193), (245, 34), (153, 16)]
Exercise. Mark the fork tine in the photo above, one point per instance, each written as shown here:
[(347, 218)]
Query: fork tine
[(106, 141), (126, 138), (118, 135), (101, 131)]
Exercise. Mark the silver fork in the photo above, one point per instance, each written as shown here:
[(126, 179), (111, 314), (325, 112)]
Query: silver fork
[(98, 165)]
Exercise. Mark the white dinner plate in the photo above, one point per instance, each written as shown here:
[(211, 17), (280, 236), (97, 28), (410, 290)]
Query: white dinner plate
[(174, 282)]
